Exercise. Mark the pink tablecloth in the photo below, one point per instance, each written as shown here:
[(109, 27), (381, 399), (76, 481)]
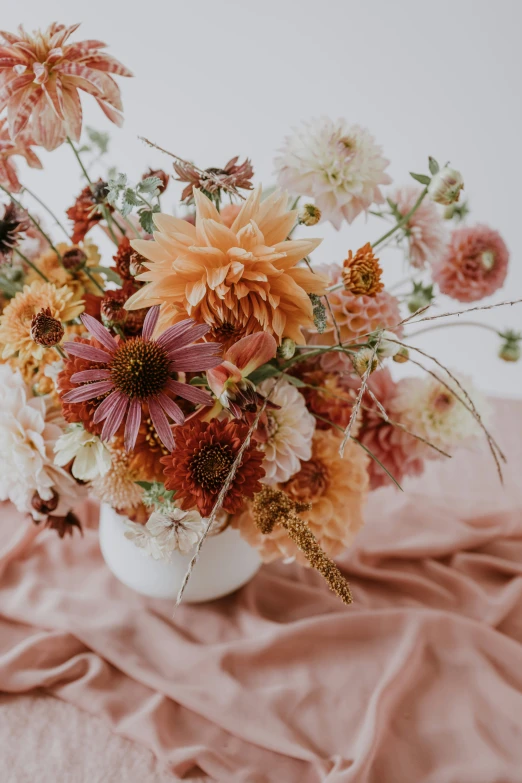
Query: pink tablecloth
[(419, 682)]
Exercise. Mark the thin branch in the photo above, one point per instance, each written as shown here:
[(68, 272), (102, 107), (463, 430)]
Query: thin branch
[(360, 395), (468, 310)]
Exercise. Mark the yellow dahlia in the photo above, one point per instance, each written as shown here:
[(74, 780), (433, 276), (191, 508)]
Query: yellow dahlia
[(238, 280), (15, 321), (335, 486), (69, 272)]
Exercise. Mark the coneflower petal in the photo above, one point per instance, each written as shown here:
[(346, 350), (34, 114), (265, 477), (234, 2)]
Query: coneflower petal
[(87, 352), (88, 391), (132, 424), (115, 417), (149, 324), (188, 392), (161, 424), (182, 334), (90, 375), (100, 332), (203, 350), (103, 410), (171, 408)]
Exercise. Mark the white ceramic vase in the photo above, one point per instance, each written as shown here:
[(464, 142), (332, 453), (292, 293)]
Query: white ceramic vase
[(226, 563)]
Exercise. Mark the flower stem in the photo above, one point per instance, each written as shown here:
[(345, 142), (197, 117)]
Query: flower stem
[(30, 263), (454, 323), (93, 280), (77, 156), (400, 223), (48, 210), (33, 221)]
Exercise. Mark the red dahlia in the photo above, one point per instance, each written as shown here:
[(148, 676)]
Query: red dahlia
[(201, 461)]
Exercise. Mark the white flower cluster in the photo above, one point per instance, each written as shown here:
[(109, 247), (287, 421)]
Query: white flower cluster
[(167, 532)]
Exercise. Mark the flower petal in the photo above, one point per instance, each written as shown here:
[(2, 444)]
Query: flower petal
[(181, 334), (149, 324), (132, 425), (87, 352), (88, 392), (99, 331), (251, 352), (189, 392), (90, 375), (115, 417), (171, 408), (161, 424), (103, 410)]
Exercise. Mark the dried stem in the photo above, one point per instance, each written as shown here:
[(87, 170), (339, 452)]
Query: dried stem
[(360, 395), (462, 312)]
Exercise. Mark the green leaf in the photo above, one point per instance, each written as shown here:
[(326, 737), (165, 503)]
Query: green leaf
[(126, 207), (99, 139), (144, 484), (199, 380), (109, 273), (264, 372), (130, 196), (146, 221), (149, 185), (422, 178), (294, 381), (434, 166)]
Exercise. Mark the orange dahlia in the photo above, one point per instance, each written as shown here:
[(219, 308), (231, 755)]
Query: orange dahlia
[(202, 458), (40, 76), (336, 488), (238, 280)]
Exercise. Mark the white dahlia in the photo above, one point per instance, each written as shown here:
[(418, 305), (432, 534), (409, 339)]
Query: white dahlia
[(289, 432), (426, 407), (29, 429), (338, 165)]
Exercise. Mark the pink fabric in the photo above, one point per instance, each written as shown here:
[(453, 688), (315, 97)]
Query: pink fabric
[(419, 682)]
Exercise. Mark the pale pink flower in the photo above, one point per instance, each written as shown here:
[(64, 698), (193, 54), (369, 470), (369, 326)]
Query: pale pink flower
[(474, 265), (139, 370), (425, 230), (339, 165), (40, 75), (8, 149)]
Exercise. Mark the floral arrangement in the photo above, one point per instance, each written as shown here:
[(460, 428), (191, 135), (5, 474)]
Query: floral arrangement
[(213, 370)]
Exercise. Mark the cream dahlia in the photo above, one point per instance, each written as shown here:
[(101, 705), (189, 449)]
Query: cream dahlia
[(40, 76), (337, 164), (336, 488), (474, 265), (427, 408), (289, 431), (29, 431), (425, 230), (166, 532), (238, 280)]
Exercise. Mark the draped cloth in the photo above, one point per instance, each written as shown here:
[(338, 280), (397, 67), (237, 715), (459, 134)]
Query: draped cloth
[(419, 681)]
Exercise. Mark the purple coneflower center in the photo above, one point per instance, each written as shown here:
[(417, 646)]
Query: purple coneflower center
[(140, 368), (211, 466)]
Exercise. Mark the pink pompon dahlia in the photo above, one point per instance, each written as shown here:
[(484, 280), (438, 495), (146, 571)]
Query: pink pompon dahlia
[(474, 265), (139, 370), (425, 230), (40, 75), (8, 149)]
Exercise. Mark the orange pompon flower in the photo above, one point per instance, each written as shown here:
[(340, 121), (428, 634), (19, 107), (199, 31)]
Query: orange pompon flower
[(8, 149), (238, 280), (362, 272), (84, 212), (41, 74), (201, 461)]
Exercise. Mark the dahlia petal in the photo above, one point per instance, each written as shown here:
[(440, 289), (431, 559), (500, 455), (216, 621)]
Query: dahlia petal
[(8, 177), (149, 324), (103, 85), (73, 112), (13, 87), (90, 375), (171, 408), (105, 62), (87, 352), (132, 425), (111, 114), (191, 393), (204, 207), (19, 117), (77, 51), (88, 391), (161, 424), (169, 224), (33, 161), (100, 332), (48, 130), (115, 417), (53, 89)]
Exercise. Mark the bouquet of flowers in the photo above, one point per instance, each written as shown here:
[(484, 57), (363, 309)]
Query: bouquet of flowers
[(209, 371)]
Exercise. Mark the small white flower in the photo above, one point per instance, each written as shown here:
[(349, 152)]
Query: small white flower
[(387, 348), (52, 371), (445, 186), (91, 457), (167, 532)]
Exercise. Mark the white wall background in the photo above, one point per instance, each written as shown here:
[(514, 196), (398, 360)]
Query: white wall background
[(215, 79)]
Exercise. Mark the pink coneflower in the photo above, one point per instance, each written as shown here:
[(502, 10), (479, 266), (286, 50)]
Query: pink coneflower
[(474, 265), (425, 230), (139, 370)]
